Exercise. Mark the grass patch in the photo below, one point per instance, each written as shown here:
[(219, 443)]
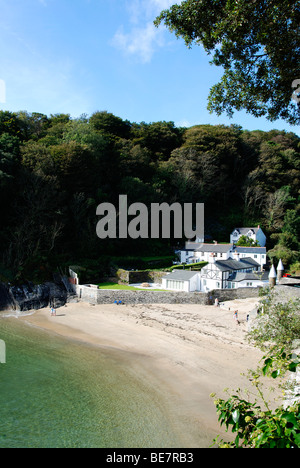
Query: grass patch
[(123, 287)]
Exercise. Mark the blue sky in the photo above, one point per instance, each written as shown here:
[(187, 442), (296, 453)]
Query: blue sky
[(80, 56)]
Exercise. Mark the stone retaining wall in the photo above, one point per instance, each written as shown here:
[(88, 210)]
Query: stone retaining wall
[(90, 293), (135, 277), (286, 293)]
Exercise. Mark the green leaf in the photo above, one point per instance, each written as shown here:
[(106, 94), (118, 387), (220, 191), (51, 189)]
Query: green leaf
[(293, 366), (237, 441), (297, 440), (236, 416), (268, 364), (289, 417)]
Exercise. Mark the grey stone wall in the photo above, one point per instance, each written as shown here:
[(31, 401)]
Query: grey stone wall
[(286, 293), (105, 296), (135, 277)]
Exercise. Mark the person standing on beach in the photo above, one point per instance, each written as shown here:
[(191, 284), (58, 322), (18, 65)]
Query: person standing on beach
[(235, 316)]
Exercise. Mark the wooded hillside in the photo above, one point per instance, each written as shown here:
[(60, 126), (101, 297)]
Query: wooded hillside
[(55, 171)]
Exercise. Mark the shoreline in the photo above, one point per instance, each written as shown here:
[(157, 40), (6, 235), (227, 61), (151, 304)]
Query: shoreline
[(186, 351)]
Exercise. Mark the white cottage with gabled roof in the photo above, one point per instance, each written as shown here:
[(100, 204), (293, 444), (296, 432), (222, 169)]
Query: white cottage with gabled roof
[(259, 254), (231, 273), (195, 253), (179, 280), (254, 233)]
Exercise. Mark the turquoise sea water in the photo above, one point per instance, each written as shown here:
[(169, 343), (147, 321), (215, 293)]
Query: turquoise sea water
[(62, 393)]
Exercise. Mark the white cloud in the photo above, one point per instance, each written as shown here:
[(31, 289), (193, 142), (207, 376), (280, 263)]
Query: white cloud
[(162, 4), (140, 41), (144, 38), (146, 9)]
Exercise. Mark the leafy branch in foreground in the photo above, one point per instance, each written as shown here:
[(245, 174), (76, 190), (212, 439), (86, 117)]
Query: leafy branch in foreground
[(257, 45), (276, 331), (257, 427)]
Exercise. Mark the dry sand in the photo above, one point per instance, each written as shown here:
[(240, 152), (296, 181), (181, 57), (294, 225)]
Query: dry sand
[(189, 351)]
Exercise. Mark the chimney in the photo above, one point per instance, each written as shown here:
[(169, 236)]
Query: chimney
[(212, 258), (237, 256), (272, 277), (280, 270)]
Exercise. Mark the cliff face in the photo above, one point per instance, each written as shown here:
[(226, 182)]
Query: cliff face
[(6, 299), (30, 297)]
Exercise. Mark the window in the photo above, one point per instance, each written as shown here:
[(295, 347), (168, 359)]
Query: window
[(249, 285), (177, 285), (233, 285), (255, 256), (204, 282)]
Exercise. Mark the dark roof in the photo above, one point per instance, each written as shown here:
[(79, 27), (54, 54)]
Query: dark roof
[(192, 245), (243, 264), (181, 275), (238, 276), (215, 248), (252, 250)]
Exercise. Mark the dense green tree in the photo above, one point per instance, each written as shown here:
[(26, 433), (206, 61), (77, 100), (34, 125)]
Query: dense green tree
[(161, 138), (210, 162), (11, 124), (135, 161), (245, 241), (34, 126), (54, 171), (291, 222), (256, 43), (109, 123)]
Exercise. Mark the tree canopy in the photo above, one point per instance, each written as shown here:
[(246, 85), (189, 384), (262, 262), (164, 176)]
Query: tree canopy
[(55, 171), (258, 45)]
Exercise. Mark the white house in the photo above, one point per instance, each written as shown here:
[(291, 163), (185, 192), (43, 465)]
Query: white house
[(195, 253), (200, 252), (221, 251), (231, 274), (227, 273), (259, 254), (186, 255), (253, 233), (179, 280)]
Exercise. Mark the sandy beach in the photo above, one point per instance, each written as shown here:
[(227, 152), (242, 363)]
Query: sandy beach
[(187, 351)]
